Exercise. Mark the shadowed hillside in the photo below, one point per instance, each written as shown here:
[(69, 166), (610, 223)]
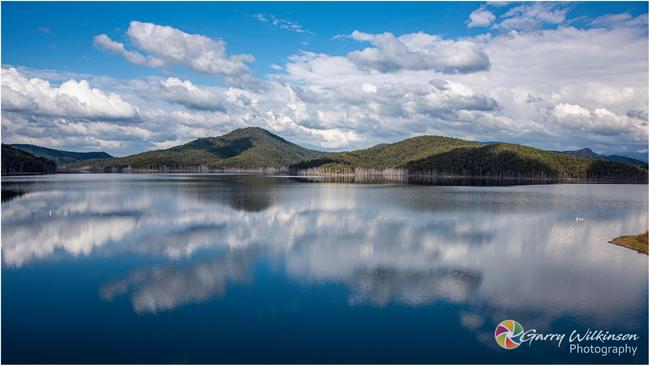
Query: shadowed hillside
[(15, 162), (433, 155), (521, 161)]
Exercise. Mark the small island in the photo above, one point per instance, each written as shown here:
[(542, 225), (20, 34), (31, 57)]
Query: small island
[(636, 242)]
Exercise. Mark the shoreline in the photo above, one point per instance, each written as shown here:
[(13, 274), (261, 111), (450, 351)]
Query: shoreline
[(635, 242), (388, 175)]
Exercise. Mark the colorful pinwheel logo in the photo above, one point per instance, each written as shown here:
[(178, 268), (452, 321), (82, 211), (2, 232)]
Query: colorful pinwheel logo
[(508, 334)]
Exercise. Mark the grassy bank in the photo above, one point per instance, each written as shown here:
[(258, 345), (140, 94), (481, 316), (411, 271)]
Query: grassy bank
[(636, 242)]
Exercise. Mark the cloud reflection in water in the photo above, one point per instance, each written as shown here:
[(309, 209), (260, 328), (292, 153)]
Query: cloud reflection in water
[(502, 250)]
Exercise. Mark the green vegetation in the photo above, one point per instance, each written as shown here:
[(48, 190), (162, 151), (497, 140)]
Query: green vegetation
[(636, 242), (522, 161), (258, 149), (387, 156), (15, 162), (433, 155), (247, 148), (59, 156)]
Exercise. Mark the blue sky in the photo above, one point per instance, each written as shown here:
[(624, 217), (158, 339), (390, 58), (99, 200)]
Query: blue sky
[(33, 36), (68, 44), (310, 54)]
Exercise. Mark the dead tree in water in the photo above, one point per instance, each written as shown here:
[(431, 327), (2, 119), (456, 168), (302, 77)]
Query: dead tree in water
[(462, 177)]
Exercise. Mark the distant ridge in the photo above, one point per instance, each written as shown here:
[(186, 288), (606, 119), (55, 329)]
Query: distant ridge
[(61, 157), (627, 160), (584, 153), (590, 154), (641, 156)]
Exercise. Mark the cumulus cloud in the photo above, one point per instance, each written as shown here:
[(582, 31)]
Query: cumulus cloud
[(185, 93), (559, 88), (564, 110), (480, 17), (73, 99), (418, 51), (166, 45), (598, 121), (104, 42), (531, 16), (591, 68)]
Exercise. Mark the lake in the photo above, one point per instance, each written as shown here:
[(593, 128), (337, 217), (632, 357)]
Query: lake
[(174, 268)]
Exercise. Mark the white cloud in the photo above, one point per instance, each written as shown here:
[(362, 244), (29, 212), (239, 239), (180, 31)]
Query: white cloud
[(566, 111), (281, 23), (480, 17), (559, 88), (318, 242), (184, 92), (73, 99), (369, 88), (598, 121), (102, 41), (418, 51), (309, 65), (166, 45), (590, 68), (531, 16), (620, 20), (333, 137)]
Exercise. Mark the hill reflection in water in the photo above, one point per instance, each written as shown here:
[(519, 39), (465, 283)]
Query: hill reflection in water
[(487, 252)]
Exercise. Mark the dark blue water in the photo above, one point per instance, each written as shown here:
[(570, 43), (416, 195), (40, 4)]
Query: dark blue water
[(243, 269)]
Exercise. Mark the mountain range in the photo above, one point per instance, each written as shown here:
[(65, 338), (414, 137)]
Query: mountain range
[(590, 154), (60, 157), (257, 149)]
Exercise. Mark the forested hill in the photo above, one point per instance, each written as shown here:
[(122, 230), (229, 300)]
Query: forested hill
[(61, 157), (246, 148), (255, 148), (523, 161), (386, 156), (434, 155), (15, 161)]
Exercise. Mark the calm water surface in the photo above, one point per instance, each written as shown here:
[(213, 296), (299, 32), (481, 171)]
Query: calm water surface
[(226, 269)]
